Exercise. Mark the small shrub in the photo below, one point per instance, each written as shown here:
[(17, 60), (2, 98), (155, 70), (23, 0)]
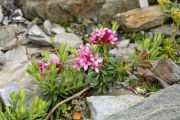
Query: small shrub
[(18, 110)]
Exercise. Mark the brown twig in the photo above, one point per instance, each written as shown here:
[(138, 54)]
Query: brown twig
[(66, 100)]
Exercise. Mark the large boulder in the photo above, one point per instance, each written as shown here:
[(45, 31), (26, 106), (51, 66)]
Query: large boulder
[(163, 105), (140, 19), (104, 106), (63, 10)]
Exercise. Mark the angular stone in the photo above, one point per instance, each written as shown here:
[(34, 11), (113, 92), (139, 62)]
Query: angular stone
[(5, 93), (47, 27), (7, 34), (52, 28), (124, 52), (1, 15), (15, 57), (70, 39), (17, 16), (10, 45), (6, 21), (124, 43), (163, 105), (140, 19), (34, 51), (36, 35), (167, 70), (2, 59), (15, 79), (104, 106), (165, 29), (57, 29), (112, 7)]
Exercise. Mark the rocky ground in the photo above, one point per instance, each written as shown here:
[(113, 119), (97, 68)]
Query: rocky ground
[(24, 37)]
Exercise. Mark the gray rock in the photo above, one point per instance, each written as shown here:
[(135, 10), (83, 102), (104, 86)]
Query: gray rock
[(1, 15), (15, 57), (163, 105), (104, 106), (2, 59), (47, 27), (70, 39), (124, 43), (15, 79), (36, 35), (34, 51), (10, 45), (5, 21), (5, 93), (123, 52), (52, 28), (112, 7), (165, 29), (57, 29), (167, 70), (17, 16), (7, 34)]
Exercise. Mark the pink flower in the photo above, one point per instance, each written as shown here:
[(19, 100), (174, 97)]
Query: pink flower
[(95, 63), (76, 65), (86, 63), (86, 59), (96, 60), (96, 68), (54, 60), (42, 66), (85, 50), (103, 36)]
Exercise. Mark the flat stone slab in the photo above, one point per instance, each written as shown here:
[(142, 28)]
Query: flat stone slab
[(15, 79), (163, 105), (104, 106), (15, 57)]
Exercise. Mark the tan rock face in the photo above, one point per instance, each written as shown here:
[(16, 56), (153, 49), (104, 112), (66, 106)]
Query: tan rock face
[(63, 10), (140, 19)]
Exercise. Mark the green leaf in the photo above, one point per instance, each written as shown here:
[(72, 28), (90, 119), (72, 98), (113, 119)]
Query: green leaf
[(73, 51)]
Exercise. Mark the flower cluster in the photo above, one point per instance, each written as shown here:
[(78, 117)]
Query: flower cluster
[(44, 65), (85, 59), (163, 3), (104, 35), (175, 12)]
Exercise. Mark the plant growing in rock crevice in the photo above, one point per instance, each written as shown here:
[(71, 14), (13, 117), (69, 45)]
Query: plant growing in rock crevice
[(149, 50), (56, 76), (169, 48)]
